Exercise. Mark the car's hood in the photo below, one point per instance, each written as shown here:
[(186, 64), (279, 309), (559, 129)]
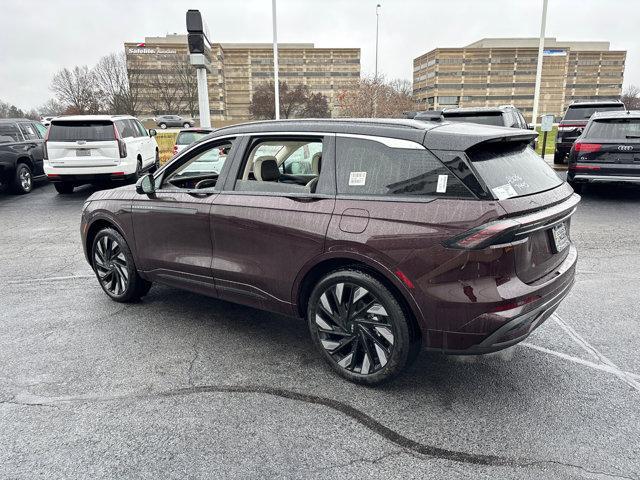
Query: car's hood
[(126, 192)]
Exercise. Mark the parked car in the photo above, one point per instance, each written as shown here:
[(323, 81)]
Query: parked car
[(21, 153), (188, 136), (574, 121), (46, 121), (607, 151), (164, 121), (98, 149), (404, 234), (502, 116)]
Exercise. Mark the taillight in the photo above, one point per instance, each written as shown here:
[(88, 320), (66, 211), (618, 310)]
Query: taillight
[(580, 147), (563, 127), (122, 147), (498, 232), (45, 152), (515, 304), (175, 149), (584, 167)]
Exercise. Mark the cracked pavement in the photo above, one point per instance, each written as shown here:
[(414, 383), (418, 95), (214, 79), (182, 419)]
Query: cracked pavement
[(181, 385)]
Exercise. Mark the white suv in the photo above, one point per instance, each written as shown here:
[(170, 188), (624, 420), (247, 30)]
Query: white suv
[(98, 149)]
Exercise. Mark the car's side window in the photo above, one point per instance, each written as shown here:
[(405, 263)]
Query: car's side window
[(281, 165), (201, 169), (124, 129), (41, 129), (368, 167), (10, 133), (142, 132), (28, 131)]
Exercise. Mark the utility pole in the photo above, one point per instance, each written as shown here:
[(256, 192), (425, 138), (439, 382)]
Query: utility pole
[(375, 77), (200, 57), (275, 60), (536, 92), (377, 21)]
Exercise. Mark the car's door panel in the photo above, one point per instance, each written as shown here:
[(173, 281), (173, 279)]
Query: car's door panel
[(262, 240)]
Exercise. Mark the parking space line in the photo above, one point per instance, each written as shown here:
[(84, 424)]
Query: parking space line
[(49, 279), (626, 377)]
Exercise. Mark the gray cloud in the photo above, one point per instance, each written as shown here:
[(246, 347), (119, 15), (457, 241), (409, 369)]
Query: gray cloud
[(39, 37)]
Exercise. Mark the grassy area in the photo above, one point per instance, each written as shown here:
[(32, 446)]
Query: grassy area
[(165, 145), (551, 140)]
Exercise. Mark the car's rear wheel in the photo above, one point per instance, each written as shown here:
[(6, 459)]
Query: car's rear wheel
[(577, 187), (360, 328), (115, 269), (139, 168), (63, 187), (23, 179), (558, 158), (186, 125), (163, 126), (156, 164)]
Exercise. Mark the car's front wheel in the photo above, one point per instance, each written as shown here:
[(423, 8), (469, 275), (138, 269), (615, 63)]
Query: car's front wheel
[(360, 328), (115, 269)]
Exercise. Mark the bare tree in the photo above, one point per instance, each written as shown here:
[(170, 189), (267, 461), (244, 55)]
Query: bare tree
[(51, 108), (187, 77), (631, 97), (76, 89), (295, 102), (376, 97), (167, 90)]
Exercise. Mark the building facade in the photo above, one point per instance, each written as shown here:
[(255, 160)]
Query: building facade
[(500, 71), (160, 67)]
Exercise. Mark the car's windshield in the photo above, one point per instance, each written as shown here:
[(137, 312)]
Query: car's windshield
[(187, 138), (483, 119), (585, 112)]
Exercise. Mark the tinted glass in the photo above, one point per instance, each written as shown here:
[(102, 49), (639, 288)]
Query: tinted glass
[(583, 113), (484, 119), (618, 128), (187, 138), (42, 129), (29, 131), (9, 133), (513, 171), (126, 128), (368, 167), (89, 131)]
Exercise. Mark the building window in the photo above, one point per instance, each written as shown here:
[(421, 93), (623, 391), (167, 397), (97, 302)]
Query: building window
[(448, 100)]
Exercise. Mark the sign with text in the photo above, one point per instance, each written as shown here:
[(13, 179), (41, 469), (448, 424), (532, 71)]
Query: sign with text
[(546, 123)]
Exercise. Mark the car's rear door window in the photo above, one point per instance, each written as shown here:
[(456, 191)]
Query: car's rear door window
[(367, 167), (9, 132), (88, 131), (483, 119), (29, 131), (512, 170)]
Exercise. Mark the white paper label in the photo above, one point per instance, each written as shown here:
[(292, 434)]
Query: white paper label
[(504, 191), (442, 183), (357, 178)]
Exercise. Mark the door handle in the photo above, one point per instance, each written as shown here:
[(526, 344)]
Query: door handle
[(304, 199)]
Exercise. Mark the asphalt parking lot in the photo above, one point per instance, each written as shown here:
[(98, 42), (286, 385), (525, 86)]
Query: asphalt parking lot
[(186, 386)]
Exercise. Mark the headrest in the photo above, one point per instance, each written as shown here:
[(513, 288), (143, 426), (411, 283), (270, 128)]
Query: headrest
[(265, 169), (316, 163)]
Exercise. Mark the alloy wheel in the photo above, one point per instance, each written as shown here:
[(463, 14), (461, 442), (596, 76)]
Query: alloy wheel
[(25, 179), (354, 328), (111, 266)]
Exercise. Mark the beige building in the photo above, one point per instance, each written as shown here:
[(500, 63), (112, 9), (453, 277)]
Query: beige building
[(236, 70), (501, 71)]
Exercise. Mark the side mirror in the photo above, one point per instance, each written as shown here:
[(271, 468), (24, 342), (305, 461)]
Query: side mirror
[(146, 185), (152, 132)]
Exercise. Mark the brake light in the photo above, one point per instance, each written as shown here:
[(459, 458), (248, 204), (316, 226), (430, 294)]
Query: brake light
[(480, 237), (45, 152), (515, 304), (584, 167), (122, 147), (586, 147), (175, 149)]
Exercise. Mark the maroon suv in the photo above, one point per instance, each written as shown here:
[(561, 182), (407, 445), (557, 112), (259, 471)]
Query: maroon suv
[(387, 235)]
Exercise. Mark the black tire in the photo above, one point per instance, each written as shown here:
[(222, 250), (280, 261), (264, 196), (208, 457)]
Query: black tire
[(63, 187), (368, 331), (558, 158), (186, 125), (577, 187), (115, 269), (138, 168), (163, 126), (22, 181), (156, 164)]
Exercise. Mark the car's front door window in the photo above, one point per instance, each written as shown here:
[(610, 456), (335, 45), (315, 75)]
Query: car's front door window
[(201, 170)]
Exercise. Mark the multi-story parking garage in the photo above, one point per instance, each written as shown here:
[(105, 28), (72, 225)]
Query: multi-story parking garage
[(497, 71), (236, 70)]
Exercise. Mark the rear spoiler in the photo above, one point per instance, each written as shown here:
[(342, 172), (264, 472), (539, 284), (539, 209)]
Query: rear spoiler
[(463, 136)]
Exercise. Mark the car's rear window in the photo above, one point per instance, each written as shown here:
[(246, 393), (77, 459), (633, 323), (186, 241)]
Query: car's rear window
[(513, 171), (89, 131), (585, 112), (187, 138), (484, 119), (614, 129), (9, 133)]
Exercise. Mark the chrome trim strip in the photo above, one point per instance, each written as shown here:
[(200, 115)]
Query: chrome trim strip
[(607, 178), (388, 141)]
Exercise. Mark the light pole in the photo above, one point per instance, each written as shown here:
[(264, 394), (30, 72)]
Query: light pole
[(536, 91), (377, 21), (275, 60)]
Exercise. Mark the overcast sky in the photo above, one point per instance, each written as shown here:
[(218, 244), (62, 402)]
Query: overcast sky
[(39, 37)]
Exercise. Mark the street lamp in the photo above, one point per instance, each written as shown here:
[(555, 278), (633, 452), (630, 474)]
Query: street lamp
[(536, 91), (377, 21), (275, 60)]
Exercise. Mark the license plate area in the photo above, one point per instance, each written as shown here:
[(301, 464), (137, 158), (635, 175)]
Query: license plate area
[(83, 152), (559, 237)]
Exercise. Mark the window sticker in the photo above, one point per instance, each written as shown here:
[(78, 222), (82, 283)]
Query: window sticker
[(442, 184), (357, 178), (504, 191)]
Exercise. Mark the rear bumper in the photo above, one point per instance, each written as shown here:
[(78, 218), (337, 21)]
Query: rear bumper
[(91, 178), (589, 177)]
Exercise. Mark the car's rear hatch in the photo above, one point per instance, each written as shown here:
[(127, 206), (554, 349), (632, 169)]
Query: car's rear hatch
[(576, 118), (537, 204), (82, 143), (610, 147)]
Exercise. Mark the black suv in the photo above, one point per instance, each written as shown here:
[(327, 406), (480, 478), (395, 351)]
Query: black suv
[(574, 121), (21, 153), (607, 151)]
